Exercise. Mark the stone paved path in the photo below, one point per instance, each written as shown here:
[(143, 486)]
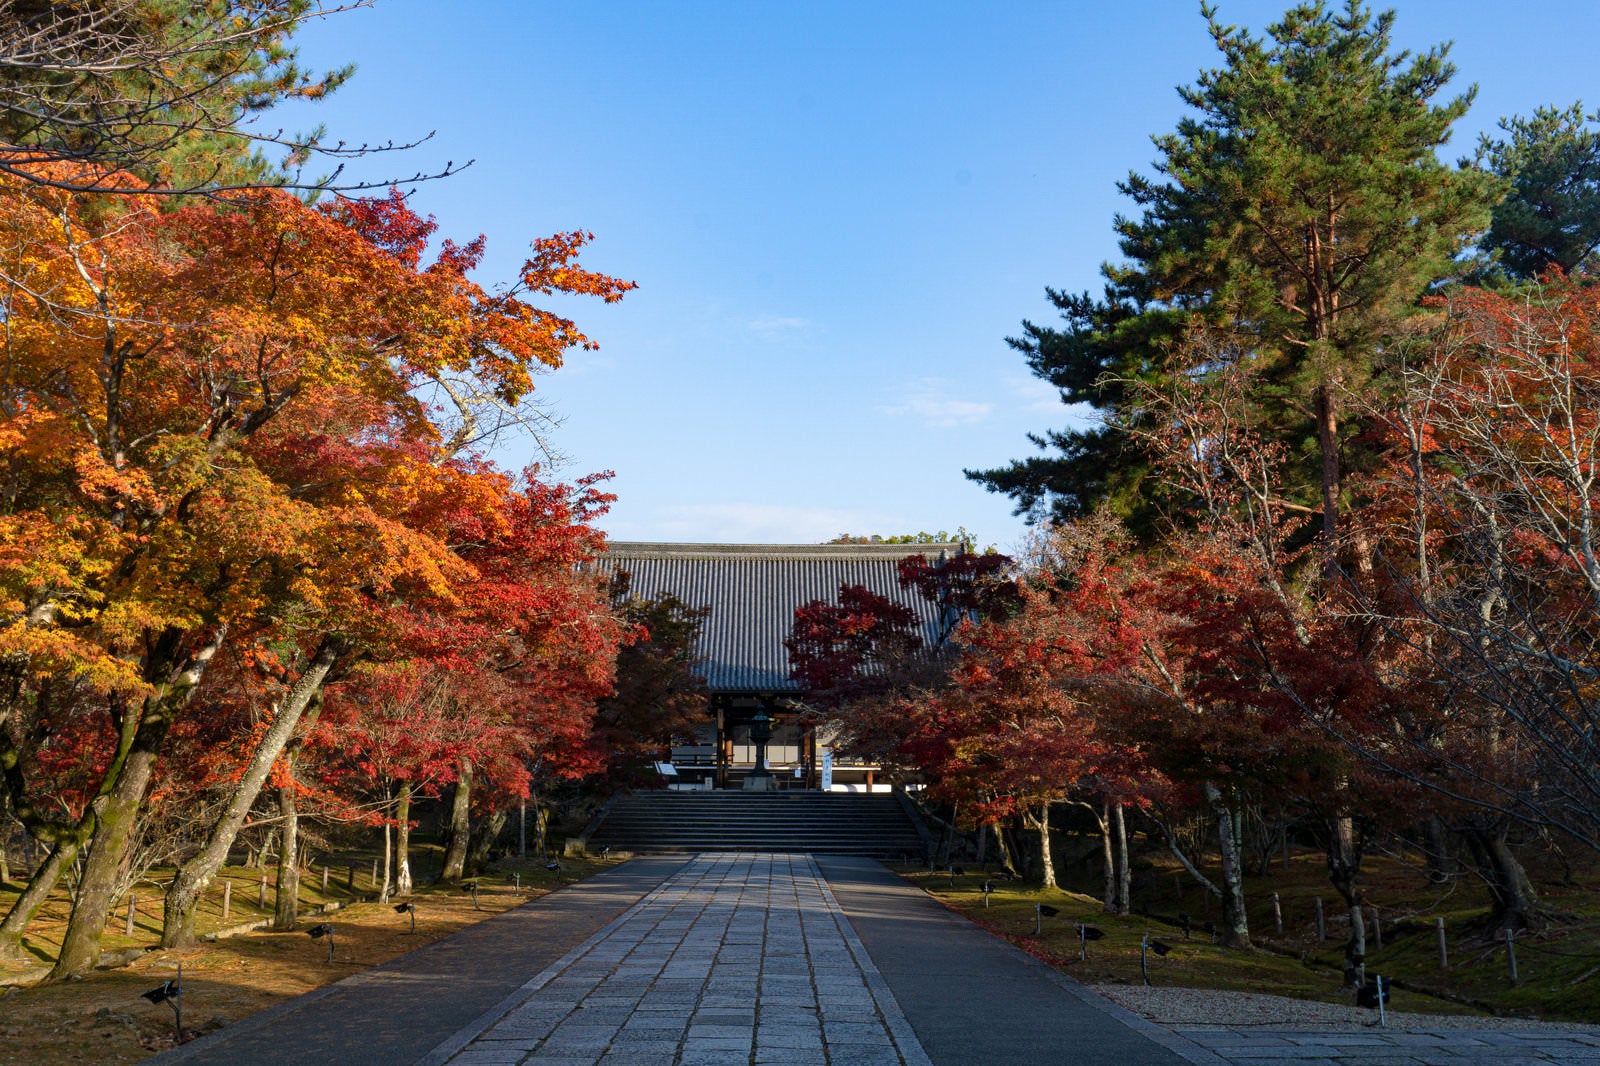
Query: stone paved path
[(758, 959), (734, 959)]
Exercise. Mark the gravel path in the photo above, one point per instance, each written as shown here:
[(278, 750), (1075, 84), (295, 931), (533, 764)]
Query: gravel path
[(1201, 1008)]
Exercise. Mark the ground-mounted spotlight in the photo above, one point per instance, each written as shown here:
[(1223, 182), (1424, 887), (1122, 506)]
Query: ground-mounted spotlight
[(552, 866), (408, 908), (471, 886), (317, 932), (605, 849), (1185, 921), (1373, 993), (170, 993), (1160, 948)]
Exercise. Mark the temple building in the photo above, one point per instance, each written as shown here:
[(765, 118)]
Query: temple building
[(753, 591)]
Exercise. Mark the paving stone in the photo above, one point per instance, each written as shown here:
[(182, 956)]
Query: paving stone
[(650, 1053), (790, 1057), (631, 1034), (863, 1055), (556, 1058), (490, 1057), (714, 1058)]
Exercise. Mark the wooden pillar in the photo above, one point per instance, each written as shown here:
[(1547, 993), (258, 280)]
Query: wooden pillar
[(811, 757)]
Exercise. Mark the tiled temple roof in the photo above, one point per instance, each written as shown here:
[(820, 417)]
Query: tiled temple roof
[(753, 590)]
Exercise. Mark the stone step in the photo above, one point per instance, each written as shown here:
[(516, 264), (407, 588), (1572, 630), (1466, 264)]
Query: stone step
[(820, 822)]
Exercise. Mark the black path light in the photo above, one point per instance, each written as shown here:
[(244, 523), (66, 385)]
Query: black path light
[(1185, 921), (516, 880), (170, 993), (408, 908), (553, 867), (1087, 933), (605, 849), (1041, 911), (471, 886), (317, 932), (1146, 945), (987, 888)]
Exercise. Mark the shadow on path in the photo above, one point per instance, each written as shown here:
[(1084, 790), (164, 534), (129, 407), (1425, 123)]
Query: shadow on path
[(399, 1011), (975, 1000)]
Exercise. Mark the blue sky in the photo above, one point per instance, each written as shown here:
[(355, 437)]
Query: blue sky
[(835, 212)]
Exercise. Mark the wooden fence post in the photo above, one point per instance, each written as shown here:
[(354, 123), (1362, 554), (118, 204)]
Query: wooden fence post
[(1322, 927), (1277, 914), (227, 898), (1444, 954)]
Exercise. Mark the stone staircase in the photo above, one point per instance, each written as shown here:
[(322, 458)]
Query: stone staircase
[(826, 823)]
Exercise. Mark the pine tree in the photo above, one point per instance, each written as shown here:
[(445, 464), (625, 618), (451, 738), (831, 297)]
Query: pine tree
[(1551, 215), (1301, 209)]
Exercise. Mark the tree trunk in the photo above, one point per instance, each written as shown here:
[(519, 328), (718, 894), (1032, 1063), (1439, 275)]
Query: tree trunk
[(1235, 920), (1328, 442), (117, 810), (39, 887), (1047, 865), (1124, 870), (455, 855), (80, 948), (1514, 904), (489, 830), (1109, 855), (1344, 872), (388, 858), (193, 877), (286, 907), (402, 841), (1003, 847), (1436, 850)]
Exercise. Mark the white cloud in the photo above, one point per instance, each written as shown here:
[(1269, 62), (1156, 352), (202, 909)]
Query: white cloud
[(776, 324), (756, 523), (929, 400)]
